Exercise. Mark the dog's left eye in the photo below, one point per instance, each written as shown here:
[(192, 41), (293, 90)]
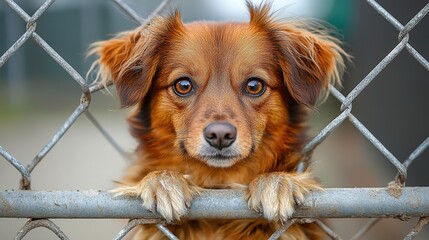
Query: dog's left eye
[(183, 86), (255, 87)]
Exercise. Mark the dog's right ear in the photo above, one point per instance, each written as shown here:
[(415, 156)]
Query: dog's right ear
[(131, 58)]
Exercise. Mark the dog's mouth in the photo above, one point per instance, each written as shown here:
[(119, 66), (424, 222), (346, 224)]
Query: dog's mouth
[(220, 160), (213, 157)]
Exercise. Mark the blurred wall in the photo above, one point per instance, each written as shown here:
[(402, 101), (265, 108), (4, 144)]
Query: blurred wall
[(394, 106)]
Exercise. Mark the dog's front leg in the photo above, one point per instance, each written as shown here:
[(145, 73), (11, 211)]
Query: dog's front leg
[(276, 194), (165, 192)]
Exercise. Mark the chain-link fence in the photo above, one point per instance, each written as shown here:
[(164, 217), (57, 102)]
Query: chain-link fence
[(393, 201)]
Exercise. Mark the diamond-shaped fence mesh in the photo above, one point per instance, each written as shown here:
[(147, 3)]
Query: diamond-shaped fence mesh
[(394, 201)]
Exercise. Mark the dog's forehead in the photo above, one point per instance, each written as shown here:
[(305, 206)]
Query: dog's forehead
[(226, 40), (221, 48)]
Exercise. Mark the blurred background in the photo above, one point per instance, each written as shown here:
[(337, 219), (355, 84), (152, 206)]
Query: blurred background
[(37, 96)]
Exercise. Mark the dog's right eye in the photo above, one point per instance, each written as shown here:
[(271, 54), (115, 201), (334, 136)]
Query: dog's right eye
[(183, 86), (255, 87)]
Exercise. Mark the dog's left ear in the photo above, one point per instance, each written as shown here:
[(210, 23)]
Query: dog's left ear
[(310, 61), (131, 59)]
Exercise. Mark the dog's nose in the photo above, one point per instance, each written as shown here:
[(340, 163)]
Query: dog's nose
[(220, 135)]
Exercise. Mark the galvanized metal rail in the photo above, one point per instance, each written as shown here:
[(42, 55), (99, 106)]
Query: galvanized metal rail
[(216, 204)]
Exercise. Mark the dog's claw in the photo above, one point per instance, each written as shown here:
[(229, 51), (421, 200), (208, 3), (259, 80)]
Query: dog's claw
[(167, 193), (276, 194)]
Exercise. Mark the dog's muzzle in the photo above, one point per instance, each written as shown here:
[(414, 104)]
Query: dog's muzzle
[(220, 135), (220, 148)]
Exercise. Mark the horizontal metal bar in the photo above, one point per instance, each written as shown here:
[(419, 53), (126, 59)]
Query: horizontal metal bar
[(220, 204)]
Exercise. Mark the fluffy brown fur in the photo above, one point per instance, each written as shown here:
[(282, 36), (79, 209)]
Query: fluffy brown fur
[(174, 160)]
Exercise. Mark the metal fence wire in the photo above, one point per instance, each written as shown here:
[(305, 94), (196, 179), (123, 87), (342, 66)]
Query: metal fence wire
[(395, 200)]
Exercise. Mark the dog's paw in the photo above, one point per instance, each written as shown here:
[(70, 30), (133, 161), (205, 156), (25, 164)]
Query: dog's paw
[(276, 194), (165, 192)]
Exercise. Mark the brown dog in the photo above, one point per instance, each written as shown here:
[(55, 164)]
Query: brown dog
[(220, 105)]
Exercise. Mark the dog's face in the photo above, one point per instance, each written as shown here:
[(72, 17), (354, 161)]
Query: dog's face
[(219, 84), (221, 89)]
